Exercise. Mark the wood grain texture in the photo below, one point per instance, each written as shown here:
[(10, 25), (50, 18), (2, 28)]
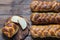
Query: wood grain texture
[(6, 1), (21, 9), (9, 8), (5, 9)]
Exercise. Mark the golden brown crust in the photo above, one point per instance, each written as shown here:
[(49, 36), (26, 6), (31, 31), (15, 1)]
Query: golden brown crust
[(58, 34), (45, 31), (10, 29), (45, 6), (45, 18)]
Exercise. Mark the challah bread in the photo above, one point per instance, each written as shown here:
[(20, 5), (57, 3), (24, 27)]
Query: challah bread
[(45, 18), (45, 6), (45, 31)]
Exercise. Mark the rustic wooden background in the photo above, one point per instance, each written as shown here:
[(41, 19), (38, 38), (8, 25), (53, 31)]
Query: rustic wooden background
[(9, 8)]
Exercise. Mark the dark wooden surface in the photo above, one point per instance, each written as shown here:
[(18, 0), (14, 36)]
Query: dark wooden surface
[(9, 8)]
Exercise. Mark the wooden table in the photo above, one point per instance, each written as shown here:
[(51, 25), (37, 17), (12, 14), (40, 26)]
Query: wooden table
[(9, 8)]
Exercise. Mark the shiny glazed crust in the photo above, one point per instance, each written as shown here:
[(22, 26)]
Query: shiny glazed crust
[(10, 29), (45, 31), (45, 6), (45, 18)]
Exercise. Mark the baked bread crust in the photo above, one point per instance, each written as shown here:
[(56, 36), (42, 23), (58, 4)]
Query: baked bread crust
[(45, 31), (45, 6), (11, 28), (45, 18)]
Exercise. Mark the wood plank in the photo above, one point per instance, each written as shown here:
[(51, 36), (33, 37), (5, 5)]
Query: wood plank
[(26, 2), (17, 2), (22, 9), (6, 1), (28, 38), (5, 9)]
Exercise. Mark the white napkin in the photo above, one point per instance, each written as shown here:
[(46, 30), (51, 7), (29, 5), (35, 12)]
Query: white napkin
[(19, 20)]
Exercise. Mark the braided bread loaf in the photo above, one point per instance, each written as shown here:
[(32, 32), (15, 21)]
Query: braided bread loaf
[(45, 31), (45, 6), (10, 28), (45, 18)]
